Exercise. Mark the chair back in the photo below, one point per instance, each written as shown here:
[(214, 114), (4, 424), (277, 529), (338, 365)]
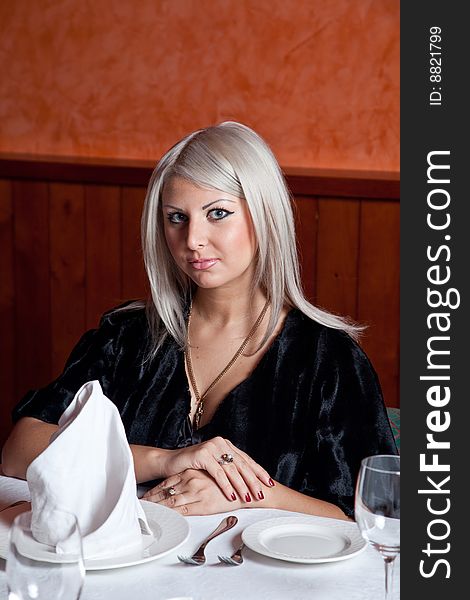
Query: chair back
[(394, 418)]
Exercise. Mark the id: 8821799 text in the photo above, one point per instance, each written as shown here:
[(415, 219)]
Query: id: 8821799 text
[(435, 66)]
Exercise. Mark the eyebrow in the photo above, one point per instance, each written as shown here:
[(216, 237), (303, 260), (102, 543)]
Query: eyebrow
[(215, 202), (205, 205)]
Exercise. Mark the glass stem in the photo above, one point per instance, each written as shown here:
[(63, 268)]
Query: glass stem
[(389, 562)]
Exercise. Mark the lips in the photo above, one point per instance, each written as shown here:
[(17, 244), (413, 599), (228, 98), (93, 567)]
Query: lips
[(203, 264)]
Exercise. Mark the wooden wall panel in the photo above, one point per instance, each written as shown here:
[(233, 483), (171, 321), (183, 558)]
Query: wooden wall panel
[(337, 255), (32, 296), (67, 260), (70, 250), (306, 213), (103, 251), (134, 280), (378, 291), (7, 308)]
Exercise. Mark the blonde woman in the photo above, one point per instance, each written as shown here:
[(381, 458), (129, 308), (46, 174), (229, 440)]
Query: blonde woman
[(234, 390)]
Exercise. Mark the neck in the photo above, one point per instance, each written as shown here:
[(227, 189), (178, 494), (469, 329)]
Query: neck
[(225, 308)]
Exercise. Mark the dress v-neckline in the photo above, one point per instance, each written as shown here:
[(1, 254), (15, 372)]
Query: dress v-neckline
[(239, 385)]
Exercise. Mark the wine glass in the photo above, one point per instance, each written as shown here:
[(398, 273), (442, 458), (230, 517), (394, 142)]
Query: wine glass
[(36, 570), (377, 509)]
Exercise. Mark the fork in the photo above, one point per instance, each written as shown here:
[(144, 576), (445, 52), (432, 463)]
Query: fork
[(235, 559), (199, 558)]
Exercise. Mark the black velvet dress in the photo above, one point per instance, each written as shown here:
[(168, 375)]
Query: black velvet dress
[(308, 413)]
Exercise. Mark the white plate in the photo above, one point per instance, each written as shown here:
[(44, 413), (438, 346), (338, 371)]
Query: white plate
[(169, 529), (305, 539)]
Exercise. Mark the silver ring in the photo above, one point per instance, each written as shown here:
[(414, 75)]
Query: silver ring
[(171, 491), (225, 459)]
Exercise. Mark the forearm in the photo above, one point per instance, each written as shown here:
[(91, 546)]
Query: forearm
[(285, 498), (196, 493), (27, 440), (149, 462), (31, 436)]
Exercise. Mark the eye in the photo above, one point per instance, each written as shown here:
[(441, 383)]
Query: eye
[(217, 214), (177, 217)]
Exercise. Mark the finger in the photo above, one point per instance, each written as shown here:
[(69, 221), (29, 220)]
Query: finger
[(219, 475), (188, 510), (176, 500), (257, 469), (242, 477), (156, 496), (240, 481), (162, 486), (208, 460), (240, 472), (229, 480), (227, 475), (169, 481), (243, 474)]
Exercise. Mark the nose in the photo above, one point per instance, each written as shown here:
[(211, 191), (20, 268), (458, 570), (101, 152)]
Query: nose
[(196, 235)]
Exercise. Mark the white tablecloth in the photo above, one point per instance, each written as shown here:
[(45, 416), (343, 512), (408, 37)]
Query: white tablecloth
[(259, 578)]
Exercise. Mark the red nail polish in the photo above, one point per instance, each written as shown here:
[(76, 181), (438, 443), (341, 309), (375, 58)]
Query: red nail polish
[(271, 482), (261, 495), (248, 498), (233, 496)]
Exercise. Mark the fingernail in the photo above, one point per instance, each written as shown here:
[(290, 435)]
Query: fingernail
[(271, 482), (233, 496), (261, 495), (248, 498)]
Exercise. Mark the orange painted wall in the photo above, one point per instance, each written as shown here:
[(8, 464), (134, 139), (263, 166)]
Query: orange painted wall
[(319, 79)]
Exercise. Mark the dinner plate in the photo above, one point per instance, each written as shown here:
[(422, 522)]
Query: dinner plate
[(170, 530), (305, 539)]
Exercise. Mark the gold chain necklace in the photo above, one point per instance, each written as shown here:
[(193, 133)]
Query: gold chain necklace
[(187, 355)]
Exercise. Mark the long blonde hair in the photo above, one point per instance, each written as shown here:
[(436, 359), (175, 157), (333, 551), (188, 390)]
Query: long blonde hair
[(234, 159)]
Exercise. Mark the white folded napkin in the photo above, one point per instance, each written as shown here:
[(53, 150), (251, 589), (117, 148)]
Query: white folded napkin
[(88, 469)]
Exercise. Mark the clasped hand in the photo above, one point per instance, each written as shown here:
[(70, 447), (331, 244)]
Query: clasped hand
[(202, 483)]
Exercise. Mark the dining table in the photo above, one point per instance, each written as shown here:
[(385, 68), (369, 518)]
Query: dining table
[(260, 577)]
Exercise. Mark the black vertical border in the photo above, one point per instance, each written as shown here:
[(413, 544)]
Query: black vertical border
[(424, 129)]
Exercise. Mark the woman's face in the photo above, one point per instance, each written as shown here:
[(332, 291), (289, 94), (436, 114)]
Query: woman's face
[(209, 233)]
